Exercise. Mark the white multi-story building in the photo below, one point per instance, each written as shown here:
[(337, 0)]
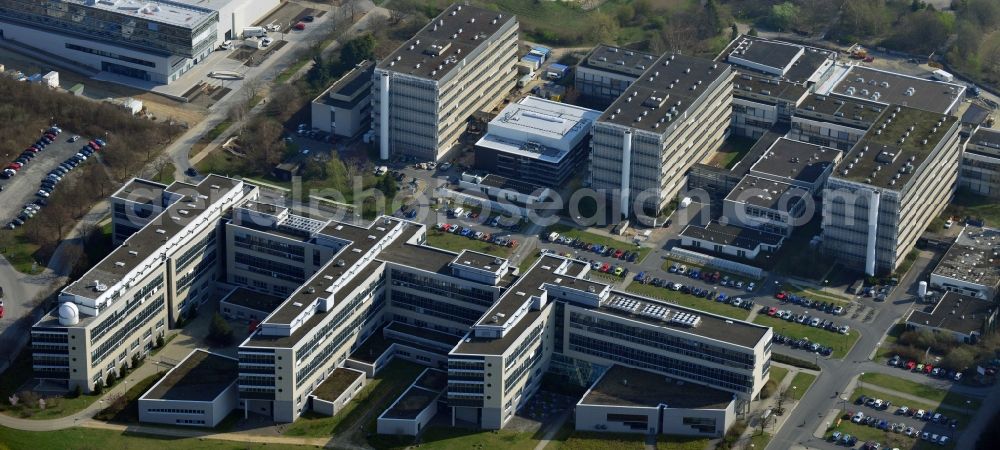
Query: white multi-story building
[(152, 41), (668, 120), (460, 63)]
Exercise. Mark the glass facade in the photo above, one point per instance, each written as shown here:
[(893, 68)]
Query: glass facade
[(190, 40)]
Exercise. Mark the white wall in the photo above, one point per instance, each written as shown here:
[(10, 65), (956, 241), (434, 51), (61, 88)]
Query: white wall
[(239, 14)]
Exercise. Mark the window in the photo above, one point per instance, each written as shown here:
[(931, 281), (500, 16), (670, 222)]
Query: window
[(701, 424)]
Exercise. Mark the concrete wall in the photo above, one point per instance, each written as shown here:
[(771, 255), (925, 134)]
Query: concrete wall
[(602, 418), (190, 413), (408, 427), (331, 408), (239, 14)]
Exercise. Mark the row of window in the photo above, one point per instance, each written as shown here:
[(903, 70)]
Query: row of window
[(115, 340), (114, 318), (175, 411)]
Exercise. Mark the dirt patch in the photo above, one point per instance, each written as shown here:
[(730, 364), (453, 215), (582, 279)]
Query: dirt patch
[(160, 107)]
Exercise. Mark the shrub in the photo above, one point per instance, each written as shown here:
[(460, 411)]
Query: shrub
[(792, 361), (219, 332)]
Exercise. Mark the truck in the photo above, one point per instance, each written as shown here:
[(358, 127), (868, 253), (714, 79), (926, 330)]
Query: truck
[(941, 75), (250, 32)]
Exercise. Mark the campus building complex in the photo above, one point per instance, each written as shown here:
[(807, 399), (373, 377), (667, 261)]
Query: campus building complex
[(980, 172), (323, 296), (666, 121), (460, 63), (608, 71), (151, 41)]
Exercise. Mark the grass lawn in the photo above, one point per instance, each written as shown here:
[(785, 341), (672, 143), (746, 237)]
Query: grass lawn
[(107, 439), (529, 259), (689, 301), (732, 151), (885, 350), (377, 395), (840, 343), (817, 294), (968, 204), (921, 390), (760, 440), (588, 440), (20, 251), (457, 243), (800, 384), (778, 374), (130, 414), (447, 438), (593, 238), (876, 392), (866, 433), (16, 376), (166, 175)]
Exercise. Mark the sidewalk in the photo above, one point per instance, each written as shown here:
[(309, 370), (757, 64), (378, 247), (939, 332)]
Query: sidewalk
[(192, 433)]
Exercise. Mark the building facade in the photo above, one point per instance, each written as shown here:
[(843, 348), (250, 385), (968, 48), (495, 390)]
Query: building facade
[(674, 115), (888, 188), (980, 171), (345, 108), (423, 93)]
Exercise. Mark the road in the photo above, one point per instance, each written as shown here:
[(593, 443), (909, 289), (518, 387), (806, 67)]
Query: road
[(836, 375)]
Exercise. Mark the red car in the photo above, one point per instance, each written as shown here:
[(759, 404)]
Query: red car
[(32, 150), (928, 368), (772, 311), (605, 267), (910, 364), (781, 296), (1, 309), (299, 26), (619, 253), (15, 165)]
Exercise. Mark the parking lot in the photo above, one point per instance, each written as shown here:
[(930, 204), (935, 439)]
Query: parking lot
[(891, 427), (21, 188)]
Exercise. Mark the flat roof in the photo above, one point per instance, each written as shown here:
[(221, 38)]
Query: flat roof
[(335, 384), (619, 60), (804, 69), (177, 13), (254, 300), (375, 345), (955, 312), (478, 260), (768, 194), (351, 88), (893, 88), (664, 92), (986, 137), (626, 386), (973, 258), (423, 333), (773, 54), (201, 376), (884, 161), (746, 85), (538, 128), (411, 403), (796, 162), (194, 201), (433, 379), (975, 114), (141, 191), (845, 107), (543, 271), (756, 152), (445, 41), (731, 235)]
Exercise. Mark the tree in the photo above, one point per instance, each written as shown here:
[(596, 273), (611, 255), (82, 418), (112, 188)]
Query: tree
[(784, 16), (77, 391), (752, 32), (219, 332), (388, 186), (110, 381), (99, 387), (735, 33), (159, 341), (710, 24), (358, 49), (960, 358)]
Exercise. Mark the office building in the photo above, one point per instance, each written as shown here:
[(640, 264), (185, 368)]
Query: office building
[(724, 239), (537, 141), (415, 408), (345, 108), (965, 318), (773, 77), (971, 266), (838, 122), (668, 120), (604, 74), (889, 88), (119, 307), (887, 189), (796, 163), (460, 63), (627, 400), (980, 169), (199, 391), (152, 41)]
